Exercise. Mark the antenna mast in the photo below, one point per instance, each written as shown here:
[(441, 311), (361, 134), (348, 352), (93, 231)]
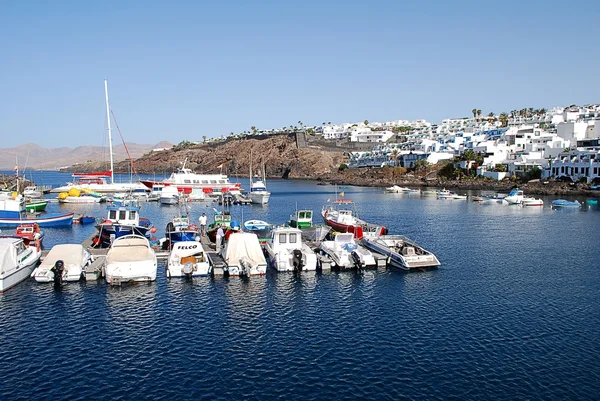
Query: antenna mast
[(110, 149)]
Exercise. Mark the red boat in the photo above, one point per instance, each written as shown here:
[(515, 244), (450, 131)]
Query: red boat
[(30, 232), (342, 217)]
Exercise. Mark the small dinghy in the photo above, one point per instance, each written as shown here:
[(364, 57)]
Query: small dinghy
[(562, 203)]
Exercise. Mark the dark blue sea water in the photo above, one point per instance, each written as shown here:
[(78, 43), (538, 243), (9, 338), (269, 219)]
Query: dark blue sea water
[(512, 313)]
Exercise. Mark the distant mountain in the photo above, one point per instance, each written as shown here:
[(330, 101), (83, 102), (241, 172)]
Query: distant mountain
[(32, 156)]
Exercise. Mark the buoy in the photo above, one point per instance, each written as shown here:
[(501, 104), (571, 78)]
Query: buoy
[(153, 230)]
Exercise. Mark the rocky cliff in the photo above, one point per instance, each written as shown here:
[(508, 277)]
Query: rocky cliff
[(278, 154)]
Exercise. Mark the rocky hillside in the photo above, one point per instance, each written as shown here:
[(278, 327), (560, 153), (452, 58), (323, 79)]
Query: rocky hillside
[(279, 154)]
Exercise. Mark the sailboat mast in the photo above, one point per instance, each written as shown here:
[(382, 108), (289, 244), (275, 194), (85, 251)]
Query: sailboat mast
[(110, 149)]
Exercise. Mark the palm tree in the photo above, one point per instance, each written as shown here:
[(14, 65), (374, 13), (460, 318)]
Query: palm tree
[(478, 113), (474, 111), (323, 123), (395, 156), (491, 115), (530, 112), (366, 122), (300, 123), (543, 111), (504, 119), (204, 138), (329, 123)]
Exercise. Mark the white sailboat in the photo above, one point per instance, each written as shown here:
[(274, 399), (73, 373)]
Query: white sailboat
[(258, 189), (99, 181)]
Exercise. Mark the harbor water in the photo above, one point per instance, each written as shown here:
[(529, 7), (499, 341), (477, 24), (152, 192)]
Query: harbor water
[(513, 312)]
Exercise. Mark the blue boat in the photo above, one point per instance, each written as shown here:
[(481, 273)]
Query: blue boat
[(562, 203), (180, 229), (87, 219), (123, 218), (12, 213)]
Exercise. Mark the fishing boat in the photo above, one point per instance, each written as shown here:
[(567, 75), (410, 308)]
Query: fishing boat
[(180, 229), (75, 259), (184, 179), (259, 227), (30, 232), (102, 181), (130, 259), (221, 219), (401, 252), (188, 259), (32, 192), (515, 197), (531, 201), (562, 203), (345, 253), (17, 261), (342, 216), (287, 251), (243, 255), (123, 219), (303, 219), (35, 206)]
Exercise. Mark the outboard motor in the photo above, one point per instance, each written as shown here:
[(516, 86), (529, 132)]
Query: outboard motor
[(356, 259), (57, 269), (245, 267), (297, 260), (188, 269)]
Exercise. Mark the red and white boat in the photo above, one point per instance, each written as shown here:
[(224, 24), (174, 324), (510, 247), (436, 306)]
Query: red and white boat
[(100, 181), (30, 232), (341, 215), (186, 180)]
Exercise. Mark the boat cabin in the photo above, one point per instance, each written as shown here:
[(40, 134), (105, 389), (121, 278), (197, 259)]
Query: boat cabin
[(301, 219), (123, 214), (286, 238)]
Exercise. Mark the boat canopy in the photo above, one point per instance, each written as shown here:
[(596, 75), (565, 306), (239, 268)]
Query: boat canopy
[(70, 254), (8, 252), (242, 245)]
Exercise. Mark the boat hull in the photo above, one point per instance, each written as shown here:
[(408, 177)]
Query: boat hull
[(109, 232), (36, 206), (11, 279), (49, 220)]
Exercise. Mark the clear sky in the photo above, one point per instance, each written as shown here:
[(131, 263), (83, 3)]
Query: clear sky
[(178, 70)]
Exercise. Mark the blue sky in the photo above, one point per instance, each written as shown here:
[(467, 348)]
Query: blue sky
[(180, 70)]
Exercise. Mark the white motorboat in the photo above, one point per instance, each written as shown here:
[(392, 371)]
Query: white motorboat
[(130, 259), (345, 253), (530, 201), (446, 194), (17, 261), (402, 253), (188, 259), (79, 199), (32, 192), (395, 189), (287, 251), (75, 258), (169, 196), (258, 190), (243, 255), (515, 197)]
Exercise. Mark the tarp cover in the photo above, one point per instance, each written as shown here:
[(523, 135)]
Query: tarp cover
[(243, 244), (70, 254), (130, 249), (8, 255)]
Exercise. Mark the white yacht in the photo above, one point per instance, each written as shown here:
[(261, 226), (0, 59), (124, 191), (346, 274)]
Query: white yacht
[(130, 259), (185, 180), (287, 251), (17, 261), (401, 252), (515, 197), (258, 192), (188, 259), (346, 253), (169, 196), (75, 259)]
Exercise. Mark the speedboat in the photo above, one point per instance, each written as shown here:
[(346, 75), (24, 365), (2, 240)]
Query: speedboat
[(402, 253), (258, 227), (287, 251), (531, 201), (75, 259), (169, 196), (130, 259), (339, 216), (345, 253), (258, 189), (243, 255), (188, 259), (562, 203), (446, 194), (17, 261), (515, 197)]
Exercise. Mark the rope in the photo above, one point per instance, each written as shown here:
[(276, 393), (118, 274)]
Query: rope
[(125, 145)]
